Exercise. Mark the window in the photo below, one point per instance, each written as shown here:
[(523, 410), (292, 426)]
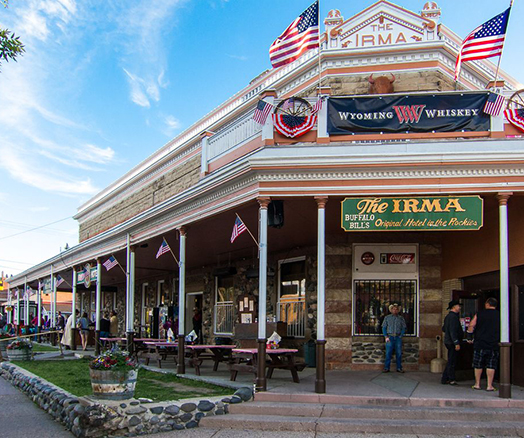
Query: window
[(160, 294), (292, 295), (224, 305), (372, 299)]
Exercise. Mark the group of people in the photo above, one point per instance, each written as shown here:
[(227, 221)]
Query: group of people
[(483, 332), (108, 328)]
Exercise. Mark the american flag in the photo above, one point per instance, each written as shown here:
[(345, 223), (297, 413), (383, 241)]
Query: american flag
[(59, 280), (288, 103), (484, 42), (163, 249), (238, 229), (300, 36), (494, 104), (262, 111), (110, 263), (318, 105)]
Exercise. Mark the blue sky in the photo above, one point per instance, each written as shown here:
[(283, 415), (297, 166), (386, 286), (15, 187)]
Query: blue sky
[(105, 83)]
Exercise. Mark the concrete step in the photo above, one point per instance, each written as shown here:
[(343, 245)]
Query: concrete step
[(493, 402), (383, 412), (361, 425)]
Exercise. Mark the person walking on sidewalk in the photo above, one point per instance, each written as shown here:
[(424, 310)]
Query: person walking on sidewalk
[(393, 328), (486, 329), (453, 335)]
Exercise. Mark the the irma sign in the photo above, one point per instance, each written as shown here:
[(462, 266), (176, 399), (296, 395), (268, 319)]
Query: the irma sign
[(429, 213)]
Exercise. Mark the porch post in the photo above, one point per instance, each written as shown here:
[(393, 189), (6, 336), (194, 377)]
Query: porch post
[(26, 304), (39, 308), (17, 309), (182, 302), (130, 296), (505, 345), (97, 307), (54, 299), (10, 301), (52, 322), (261, 383), (320, 381), (73, 309)]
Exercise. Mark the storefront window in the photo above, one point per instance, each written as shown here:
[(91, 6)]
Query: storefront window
[(224, 306), (372, 299)]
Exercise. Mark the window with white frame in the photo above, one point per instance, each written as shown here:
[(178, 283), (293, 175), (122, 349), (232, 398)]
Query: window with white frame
[(160, 295), (292, 295), (224, 305)]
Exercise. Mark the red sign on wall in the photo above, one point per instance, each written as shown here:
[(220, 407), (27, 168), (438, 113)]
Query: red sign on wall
[(397, 258)]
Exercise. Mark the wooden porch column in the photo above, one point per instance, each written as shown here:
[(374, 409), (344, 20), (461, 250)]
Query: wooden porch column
[(98, 300), (73, 309), (320, 380), (26, 305), (505, 345), (182, 303), (261, 382), (130, 296)]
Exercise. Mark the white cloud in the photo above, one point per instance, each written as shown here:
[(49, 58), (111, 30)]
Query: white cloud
[(22, 169), (171, 124), (239, 57)]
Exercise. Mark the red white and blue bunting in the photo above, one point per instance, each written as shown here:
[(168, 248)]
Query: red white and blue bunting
[(293, 126), (515, 117)]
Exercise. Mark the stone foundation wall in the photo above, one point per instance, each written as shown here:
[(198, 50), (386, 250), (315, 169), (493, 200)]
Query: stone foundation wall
[(372, 351), (87, 417)]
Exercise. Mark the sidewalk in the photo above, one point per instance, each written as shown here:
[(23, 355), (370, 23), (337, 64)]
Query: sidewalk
[(416, 384)]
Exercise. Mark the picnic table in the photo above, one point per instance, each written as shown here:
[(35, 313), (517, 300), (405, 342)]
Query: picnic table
[(119, 341), (246, 360), (160, 350), (217, 353)]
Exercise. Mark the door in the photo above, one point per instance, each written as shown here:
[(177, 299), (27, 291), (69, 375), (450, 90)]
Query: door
[(471, 302), (517, 332), (194, 313)]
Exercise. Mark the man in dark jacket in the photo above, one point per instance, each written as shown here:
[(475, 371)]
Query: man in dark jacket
[(486, 328), (453, 335)]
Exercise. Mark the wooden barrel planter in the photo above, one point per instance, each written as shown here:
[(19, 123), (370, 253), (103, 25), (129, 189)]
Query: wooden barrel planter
[(113, 385), (23, 354)]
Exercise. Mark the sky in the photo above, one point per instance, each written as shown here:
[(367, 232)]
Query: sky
[(105, 83)]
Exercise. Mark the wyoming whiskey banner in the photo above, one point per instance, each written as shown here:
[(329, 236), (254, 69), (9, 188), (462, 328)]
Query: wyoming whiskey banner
[(412, 113)]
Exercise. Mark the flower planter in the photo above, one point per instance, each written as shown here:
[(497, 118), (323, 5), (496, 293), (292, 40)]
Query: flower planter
[(113, 385), (21, 354)]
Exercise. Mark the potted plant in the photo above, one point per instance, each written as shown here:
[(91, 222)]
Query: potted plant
[(113, 375), (20, 349), (4, 341)]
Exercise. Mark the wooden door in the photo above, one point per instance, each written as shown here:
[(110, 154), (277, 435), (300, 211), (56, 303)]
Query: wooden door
[(517, 335)]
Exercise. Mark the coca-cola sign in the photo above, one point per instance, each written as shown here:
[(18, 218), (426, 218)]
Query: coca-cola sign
[(397, 258)]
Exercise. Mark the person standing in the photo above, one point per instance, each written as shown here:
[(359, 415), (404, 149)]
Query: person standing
[(67, 337), (393, 328), (60, 322), (453, 335), (485, 327), (83, 326), (113, 324)]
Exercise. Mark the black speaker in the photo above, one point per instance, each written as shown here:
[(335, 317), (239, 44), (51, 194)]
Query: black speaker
[(275, 214)]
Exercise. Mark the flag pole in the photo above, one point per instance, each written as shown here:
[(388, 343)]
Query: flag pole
[(119, 265), (502, 50), (319, 49), (253, 237), (171, 251)]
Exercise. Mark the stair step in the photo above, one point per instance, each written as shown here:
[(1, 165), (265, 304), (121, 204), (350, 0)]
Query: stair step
[(362, 425), (495, 403), (372, 412)]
